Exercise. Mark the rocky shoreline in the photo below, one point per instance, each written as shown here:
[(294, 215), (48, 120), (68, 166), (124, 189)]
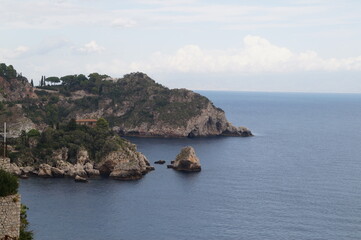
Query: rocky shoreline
[(118, 165), (121, 165)]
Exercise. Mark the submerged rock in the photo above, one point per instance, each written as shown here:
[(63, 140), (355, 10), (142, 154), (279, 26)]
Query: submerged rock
[(159, 162), (186, 161), (80, 179)]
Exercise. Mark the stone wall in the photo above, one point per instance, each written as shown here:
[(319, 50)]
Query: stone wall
[(10, 217), (5, 163)]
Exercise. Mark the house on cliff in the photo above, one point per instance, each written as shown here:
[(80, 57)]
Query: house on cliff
[(87, 122)]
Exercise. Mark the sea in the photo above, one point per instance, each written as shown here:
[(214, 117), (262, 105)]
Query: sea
[(298, 178)]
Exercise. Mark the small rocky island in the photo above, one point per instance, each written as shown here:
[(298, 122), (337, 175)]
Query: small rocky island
[(186, 161)]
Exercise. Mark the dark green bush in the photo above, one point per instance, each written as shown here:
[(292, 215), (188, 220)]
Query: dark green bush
[(34, 133), (8, 184)]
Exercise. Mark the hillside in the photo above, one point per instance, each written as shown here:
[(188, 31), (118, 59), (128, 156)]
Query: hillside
[(133, 105)]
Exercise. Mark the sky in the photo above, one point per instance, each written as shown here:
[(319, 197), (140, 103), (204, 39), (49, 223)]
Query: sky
[(259, 45)]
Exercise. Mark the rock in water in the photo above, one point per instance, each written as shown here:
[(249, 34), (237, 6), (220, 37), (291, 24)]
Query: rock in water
[(187, 161), (159, 162), (80, 179)]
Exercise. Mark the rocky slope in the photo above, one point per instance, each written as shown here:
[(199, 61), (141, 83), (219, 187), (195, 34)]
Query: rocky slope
[(144, 108), (12, 93)]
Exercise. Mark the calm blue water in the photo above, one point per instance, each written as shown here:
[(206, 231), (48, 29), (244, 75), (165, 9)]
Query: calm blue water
[(298, 178)]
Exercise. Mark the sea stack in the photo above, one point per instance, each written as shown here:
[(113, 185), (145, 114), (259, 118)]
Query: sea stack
[(187, 161)]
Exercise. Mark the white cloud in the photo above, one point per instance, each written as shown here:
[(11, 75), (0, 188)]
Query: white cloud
[(258, 55), (6, 54), (91, 47), (123, 23)]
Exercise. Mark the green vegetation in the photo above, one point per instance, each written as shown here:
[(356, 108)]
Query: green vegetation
[(25, 234), (8, 184), (33, 148), (7, 72), (147, 100)]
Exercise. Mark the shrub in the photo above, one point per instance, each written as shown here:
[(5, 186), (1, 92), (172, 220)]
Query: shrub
[(33, 133), (25, 234), (8, 184)]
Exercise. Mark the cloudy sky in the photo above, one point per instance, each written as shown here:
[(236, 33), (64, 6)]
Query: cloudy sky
[(259, 45)]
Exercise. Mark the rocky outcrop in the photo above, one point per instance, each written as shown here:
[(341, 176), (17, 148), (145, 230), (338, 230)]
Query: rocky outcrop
[(60, 155), (126, 164), (89, 169), (186, 161), (82, 156), (45, 170)]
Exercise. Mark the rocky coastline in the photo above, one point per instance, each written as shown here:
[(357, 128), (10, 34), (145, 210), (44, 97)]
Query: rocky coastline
[(120, 165)]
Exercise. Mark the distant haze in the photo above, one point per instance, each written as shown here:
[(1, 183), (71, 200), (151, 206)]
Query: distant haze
[(285, 46)]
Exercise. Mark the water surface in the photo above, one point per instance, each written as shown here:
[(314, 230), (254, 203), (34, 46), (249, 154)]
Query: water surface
[(298, 178)]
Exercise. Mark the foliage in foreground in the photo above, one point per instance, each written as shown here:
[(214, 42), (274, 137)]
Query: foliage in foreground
[(25, 234), (8, 184)]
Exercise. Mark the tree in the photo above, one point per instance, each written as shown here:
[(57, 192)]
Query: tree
[(2, 69), (68, 80), (10, 72), (7, 71), (32, 83), (102, 124), (8, 184), (52, 80), (33, 133), (72, 125)]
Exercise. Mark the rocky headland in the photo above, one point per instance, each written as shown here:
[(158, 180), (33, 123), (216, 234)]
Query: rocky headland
[(134, 105)]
